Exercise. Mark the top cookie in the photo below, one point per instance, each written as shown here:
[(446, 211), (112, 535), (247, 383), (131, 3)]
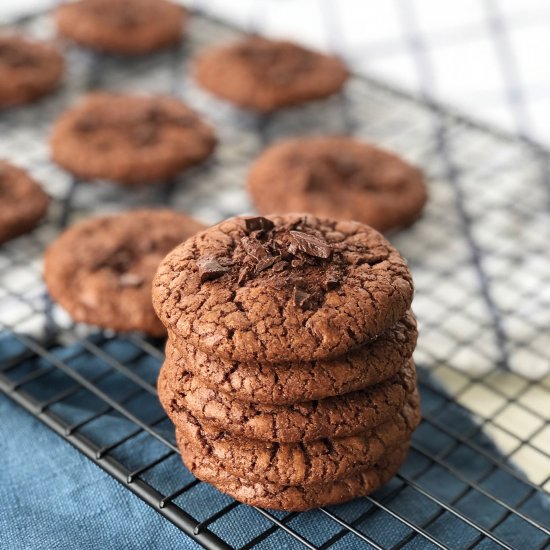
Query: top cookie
[(23, 203), (265, 75), (122, 26), (130, 139), (100, 270), (339, 177), (282, 288), (28, 70)]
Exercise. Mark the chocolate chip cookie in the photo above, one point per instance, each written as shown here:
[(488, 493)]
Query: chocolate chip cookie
[(285, 383), (122, 26), (130, 139), (265, 75), (291, 497), (101, 269), (338, 177), (282, 288), (301, 463), (28, 69), (23, 203), (338, 416)]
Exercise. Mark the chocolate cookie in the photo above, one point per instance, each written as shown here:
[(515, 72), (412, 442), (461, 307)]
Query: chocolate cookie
[(122, 26), (300, 463), (264, 75), (285, 383), (290, 497), (340, 416), (338, 177), (284, 288), (101, 269), (130, 139), (28, 70), (23, 203)]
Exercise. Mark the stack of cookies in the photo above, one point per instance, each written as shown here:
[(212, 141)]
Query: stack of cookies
[(288, 371)]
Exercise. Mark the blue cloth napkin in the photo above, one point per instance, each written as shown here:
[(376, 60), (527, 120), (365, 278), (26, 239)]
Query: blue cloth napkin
[(52, 497)]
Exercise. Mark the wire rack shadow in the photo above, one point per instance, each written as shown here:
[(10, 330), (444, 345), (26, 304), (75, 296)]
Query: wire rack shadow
[(478, 474)]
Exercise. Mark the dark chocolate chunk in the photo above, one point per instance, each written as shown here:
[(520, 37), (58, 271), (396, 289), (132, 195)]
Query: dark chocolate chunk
[(244, 274), (281, 265), (258, 223), (210, 268), (309, 244), (300, 297), (254, 248), (266, 262), (119, 261), (332, 279)]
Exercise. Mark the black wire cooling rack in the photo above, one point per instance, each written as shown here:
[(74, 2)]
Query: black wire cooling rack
[(478, 474)]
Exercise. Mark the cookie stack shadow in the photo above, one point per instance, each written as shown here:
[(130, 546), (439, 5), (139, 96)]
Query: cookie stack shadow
[(293, 434)]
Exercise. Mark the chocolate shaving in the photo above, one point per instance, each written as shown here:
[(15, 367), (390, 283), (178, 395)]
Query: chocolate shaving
[(265, 263), (332, 279), (308, 244), (119, 261), (210, 268), (254, 248), (281, 265), (258, 223), (300, 297), (246, 273)]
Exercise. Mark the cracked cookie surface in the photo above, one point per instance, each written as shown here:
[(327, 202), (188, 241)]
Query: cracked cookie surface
[(282, 288), (264, 75), (290, 497), (302, 463), (100, 270), (122, 26), (130, 139), (28, 69), (23, 203), (338, 416), (338, 177), (285, 383)]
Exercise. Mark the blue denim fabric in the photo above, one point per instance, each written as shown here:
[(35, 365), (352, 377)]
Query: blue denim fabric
[(52, 497)]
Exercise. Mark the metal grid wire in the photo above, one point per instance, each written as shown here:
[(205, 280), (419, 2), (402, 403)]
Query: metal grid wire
[(479, 258)]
